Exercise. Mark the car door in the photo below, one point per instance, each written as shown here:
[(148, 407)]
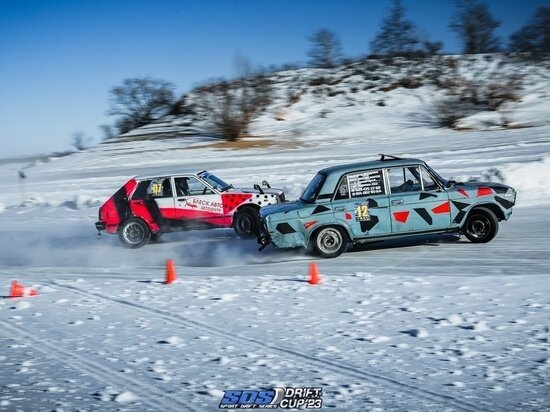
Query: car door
[(361, 201), (197, 202), (153, 202), (417, 202)]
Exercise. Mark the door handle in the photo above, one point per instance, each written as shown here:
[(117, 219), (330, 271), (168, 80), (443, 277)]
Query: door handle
[(339, 209), (181, 199), (397, 202), (138, 202)]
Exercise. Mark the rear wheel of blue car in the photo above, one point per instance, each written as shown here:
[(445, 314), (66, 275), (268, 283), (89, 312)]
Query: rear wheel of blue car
[(329, 242), (481, 226)]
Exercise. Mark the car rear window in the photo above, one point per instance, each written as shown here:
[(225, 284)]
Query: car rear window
[(312, 190)]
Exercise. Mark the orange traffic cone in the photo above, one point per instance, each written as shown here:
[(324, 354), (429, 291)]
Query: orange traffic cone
[(170, 272), (19, 291), (314, 277)]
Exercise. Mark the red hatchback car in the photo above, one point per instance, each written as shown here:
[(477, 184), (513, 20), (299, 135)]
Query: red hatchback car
[(147, 206)]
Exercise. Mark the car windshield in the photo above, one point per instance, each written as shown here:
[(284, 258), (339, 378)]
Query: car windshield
[(215, 181), (312, 190), (444, 182)]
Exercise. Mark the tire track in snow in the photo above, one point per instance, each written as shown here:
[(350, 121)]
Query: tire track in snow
[(346, 370), (155, 397)]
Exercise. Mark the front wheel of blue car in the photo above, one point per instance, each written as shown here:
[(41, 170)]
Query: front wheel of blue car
[(329, 242), (481, 226)]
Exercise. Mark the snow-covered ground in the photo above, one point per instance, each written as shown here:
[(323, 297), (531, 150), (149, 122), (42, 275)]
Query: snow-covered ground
[(431, 323)]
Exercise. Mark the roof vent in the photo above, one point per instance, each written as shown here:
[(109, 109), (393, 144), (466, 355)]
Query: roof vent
[(388, 157)]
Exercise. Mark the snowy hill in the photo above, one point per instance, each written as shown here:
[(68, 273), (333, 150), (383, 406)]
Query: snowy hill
[(392, 92)]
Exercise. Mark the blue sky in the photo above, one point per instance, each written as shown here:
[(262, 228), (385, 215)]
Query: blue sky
[(58, 59)]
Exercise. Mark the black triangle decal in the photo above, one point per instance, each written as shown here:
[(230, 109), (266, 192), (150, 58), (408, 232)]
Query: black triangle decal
[(424, 215), (458, 218), (369, 224), (424, 195), (460, 205), (320, 209), (506, 204)]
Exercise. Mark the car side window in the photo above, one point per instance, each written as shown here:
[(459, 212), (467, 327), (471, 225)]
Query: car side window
[(182, 186), (196, 187), (141, 190), (427, 180), (343, 190), (365, 183), (160, 187), (404, 179)]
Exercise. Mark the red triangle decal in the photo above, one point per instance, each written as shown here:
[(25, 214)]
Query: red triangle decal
[(462, 192), (484, 191), (401, 216), (442, 208)]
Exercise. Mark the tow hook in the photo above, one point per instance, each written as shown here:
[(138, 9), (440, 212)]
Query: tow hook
[(263, 240)]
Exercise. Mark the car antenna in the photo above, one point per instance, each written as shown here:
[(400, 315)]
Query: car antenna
[(390, 157)]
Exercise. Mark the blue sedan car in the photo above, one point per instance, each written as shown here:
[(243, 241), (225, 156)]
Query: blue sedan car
[(383, 199)]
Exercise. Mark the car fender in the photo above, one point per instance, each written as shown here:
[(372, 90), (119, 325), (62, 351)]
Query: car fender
[(497, 209), (316, 228)]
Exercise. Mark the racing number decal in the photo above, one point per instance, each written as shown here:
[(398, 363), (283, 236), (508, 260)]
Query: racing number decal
[(362, 213), (156, 189)]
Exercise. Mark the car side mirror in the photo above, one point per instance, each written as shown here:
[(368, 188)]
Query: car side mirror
[(451, 183)]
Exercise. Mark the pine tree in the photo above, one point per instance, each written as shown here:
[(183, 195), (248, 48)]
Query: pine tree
[(325, 50), (534, 37), (475, 26), (397, 35)]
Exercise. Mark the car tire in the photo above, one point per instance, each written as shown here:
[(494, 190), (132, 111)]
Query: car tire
[(481, 225), (134, 233), (330, 241), (246, 222)]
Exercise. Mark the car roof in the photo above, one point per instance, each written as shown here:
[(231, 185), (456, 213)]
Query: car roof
[(374, 164), (164, 173)]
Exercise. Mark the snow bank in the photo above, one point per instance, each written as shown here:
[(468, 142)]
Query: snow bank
[(531, 180)]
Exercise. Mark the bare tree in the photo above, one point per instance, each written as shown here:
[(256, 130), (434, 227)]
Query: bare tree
[(139, 101), (475, 26), (108, 131), (231, 107), (79, 140), (534, 37), (397, 36), (325, 49)]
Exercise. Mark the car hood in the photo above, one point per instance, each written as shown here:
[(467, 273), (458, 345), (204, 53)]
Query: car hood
[(497, 187), (270, 191)]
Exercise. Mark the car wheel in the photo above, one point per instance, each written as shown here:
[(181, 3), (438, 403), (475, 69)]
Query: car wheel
[(481, 226), (246, 222), (134, 233), (330, 242)]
